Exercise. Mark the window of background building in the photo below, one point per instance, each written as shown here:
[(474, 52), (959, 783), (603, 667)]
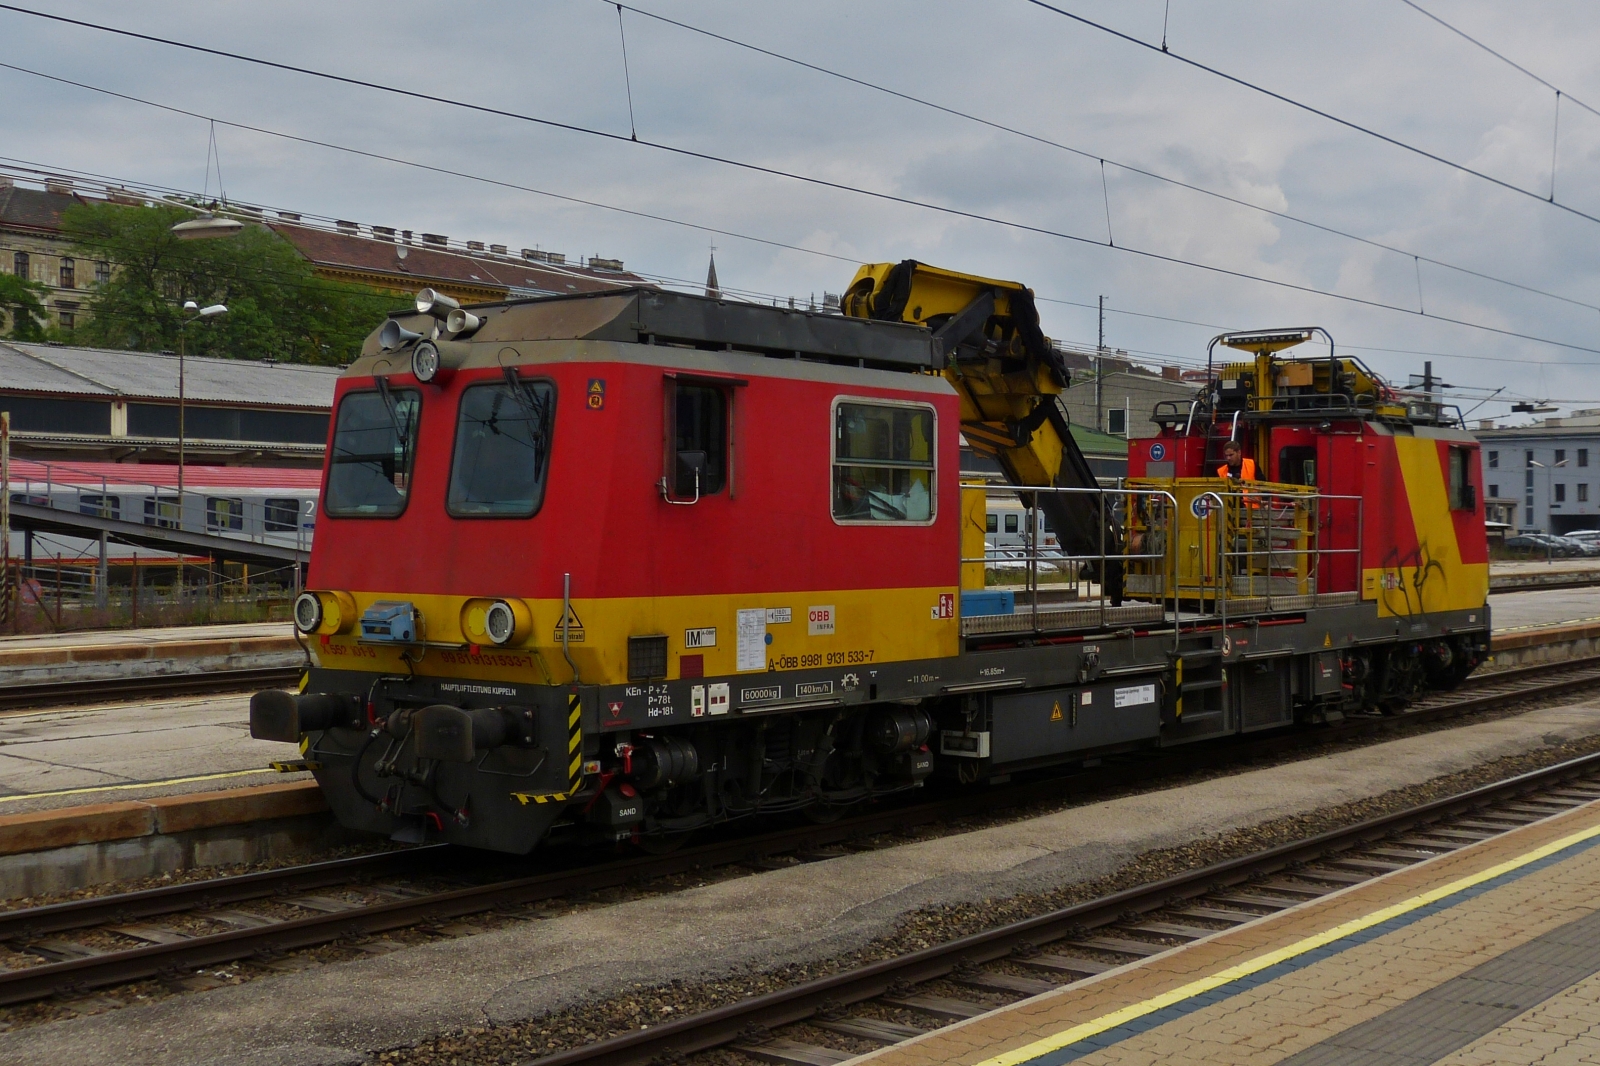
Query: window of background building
[(1528, 517), (1494, 491), (1561, 455), (1583, 456), (992, 523), (1561, 494), (1494, 460), (1583, 493), (1012, 525), (69, 319), (69, 273), (102, 273), (1116, 421), (1527, 459), (19, 264)]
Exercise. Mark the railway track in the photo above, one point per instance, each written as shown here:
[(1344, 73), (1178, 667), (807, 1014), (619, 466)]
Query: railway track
[(99, 942), (872, 1003), (57, 693)]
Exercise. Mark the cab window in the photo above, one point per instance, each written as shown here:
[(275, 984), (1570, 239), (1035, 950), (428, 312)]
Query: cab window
[(502, 448), (883, 463), (374, 446), (1463, 495), (700, 440)]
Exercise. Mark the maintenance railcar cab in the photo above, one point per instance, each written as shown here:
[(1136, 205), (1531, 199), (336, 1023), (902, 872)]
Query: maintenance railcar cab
[(625, 564)]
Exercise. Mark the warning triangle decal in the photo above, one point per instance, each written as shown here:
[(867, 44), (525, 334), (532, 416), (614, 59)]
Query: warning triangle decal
[(1055, 712), (571, 625)]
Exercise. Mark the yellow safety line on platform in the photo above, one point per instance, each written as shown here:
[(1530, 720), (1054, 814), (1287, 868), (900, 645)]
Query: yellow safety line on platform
[(136, 784), (1135, 1011)]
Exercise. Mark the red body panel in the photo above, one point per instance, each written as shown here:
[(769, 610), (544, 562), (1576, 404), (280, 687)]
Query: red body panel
[(603, 519)]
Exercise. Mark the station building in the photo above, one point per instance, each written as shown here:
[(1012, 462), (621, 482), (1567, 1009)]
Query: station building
[(96, 404), (1551, 469)]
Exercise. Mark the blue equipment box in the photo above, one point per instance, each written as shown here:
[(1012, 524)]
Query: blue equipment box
[(988, 601), (392, 621)]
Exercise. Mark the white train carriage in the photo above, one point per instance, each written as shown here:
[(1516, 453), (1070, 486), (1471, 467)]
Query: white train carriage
[(264, 505)]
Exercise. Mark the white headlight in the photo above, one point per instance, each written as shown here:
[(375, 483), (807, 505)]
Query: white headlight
[(307, 612), (499, 622), (425, 361)]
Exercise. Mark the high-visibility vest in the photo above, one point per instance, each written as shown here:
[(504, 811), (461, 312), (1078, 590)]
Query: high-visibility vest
[(1247, 469)]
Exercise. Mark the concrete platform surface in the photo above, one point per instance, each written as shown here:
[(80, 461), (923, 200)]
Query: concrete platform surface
[(145, 637), (1509, 611), (118, 751), (797, 914), (1487, 955)]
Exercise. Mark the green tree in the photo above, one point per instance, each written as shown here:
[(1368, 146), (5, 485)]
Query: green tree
[(20, 301), (277, 307)]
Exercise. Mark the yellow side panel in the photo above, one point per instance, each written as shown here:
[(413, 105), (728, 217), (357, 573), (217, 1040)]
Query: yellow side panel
[(783, 631), (974, 524), (1437, 579)]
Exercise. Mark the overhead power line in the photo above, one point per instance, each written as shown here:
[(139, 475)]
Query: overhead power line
[(875, 194), (1508, 62), (1309, 109), (1092, 157)]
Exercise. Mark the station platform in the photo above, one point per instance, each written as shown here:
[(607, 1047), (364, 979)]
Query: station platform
[(1486, 955), (106, 654)]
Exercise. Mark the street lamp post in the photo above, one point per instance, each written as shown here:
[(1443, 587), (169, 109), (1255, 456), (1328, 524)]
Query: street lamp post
[(199, 313), (1549, 501)]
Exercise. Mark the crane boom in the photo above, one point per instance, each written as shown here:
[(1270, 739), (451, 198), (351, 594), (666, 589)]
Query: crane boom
[(1009, 379)]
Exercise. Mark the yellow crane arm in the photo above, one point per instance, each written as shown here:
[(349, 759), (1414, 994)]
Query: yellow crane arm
[(1009, 379)]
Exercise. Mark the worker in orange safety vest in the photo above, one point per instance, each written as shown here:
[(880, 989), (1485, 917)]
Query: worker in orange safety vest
[(1235, 465)]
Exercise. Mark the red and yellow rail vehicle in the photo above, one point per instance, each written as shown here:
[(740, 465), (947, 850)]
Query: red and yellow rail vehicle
[(636, 562)]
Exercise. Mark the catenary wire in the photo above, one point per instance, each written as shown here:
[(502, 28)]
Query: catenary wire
[(1292, 102), (824, 183), (1504, 59), (1093, 157)]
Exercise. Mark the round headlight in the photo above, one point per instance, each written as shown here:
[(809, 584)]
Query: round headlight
[(500, 622), (307, 612), (425, 361)]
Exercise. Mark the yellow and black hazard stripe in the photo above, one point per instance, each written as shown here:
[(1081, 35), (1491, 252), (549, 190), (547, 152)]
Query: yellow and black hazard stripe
[(574, 759)]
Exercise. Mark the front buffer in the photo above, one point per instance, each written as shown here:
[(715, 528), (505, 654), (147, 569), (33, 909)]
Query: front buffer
[(483, 764)]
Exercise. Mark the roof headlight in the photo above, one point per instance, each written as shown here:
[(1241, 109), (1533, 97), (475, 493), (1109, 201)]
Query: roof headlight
[(500, 622), (425, 361), (308, 612)]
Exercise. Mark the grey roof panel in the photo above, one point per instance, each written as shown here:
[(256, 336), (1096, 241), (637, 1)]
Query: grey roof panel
[(154, 376)]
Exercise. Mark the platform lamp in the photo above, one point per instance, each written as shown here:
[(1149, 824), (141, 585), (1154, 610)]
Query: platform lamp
[(1549, 499), (197, 314), (206, 226)]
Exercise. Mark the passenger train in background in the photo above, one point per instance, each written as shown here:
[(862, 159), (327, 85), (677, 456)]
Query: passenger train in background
[(265, 505)]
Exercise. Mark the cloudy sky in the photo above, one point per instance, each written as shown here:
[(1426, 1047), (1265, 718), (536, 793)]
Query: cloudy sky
[(1377, 63)]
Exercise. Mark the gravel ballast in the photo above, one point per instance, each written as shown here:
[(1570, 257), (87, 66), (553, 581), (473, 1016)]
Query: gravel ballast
[(627, 964)]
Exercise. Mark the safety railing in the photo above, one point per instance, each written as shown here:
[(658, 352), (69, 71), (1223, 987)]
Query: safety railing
[(1271, 546), (1034, 558)]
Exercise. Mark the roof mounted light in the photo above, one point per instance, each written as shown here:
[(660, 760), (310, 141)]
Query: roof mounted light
[(1267, 340), (437, 304), (206, 226), (425, 362)]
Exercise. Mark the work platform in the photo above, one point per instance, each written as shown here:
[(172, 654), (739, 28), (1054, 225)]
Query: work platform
[(1485, 955)]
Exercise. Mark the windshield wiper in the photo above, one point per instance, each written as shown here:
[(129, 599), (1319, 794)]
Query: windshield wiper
[(400, 431)]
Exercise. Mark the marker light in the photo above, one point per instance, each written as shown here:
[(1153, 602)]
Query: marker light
[(500, 622), (425, 361), (307, 612)]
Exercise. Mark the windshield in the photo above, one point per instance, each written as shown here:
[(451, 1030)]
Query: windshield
[(374, 444), (502, 448)]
